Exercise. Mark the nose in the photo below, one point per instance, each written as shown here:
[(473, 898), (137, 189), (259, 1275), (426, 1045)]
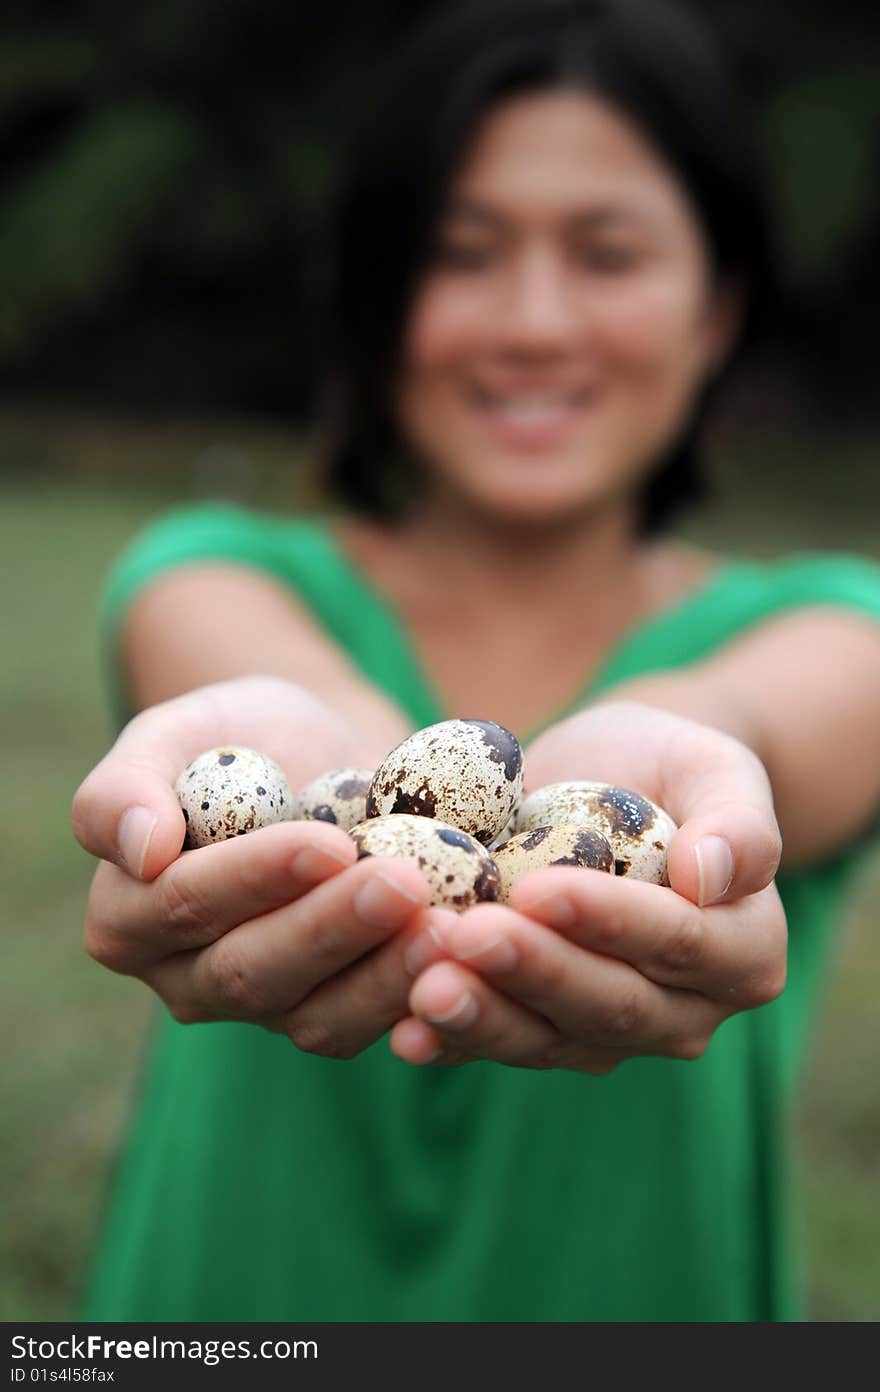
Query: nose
[(538, 308)]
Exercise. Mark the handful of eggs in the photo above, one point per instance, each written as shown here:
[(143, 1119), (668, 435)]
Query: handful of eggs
[(450, 798)]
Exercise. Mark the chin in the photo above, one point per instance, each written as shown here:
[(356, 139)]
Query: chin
[(534, 506)]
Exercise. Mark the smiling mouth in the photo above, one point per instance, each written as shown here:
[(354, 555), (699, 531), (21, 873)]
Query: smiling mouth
[(530, 418)]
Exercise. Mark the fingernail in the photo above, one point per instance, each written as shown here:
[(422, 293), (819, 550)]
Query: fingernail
[(133, 836), (439, 934), (714, 869), (313, 862), (382, 899), (554, 909), (420, 952), (497, 954), (458, 1016)]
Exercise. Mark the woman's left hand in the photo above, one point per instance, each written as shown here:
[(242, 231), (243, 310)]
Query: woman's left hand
[(583, 970)]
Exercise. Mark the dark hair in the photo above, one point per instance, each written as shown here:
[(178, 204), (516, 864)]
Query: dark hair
[(649, 59)]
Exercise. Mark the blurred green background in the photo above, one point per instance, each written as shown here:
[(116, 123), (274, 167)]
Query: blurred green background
[(162, 168)]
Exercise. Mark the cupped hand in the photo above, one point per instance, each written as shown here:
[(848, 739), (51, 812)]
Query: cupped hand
[(583, 970), (281, 927)]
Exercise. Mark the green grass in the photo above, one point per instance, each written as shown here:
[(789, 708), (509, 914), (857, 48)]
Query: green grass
[(72, 491)]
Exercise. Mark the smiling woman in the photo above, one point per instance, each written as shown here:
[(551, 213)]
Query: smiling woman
[(567, 320), (546, 251), (674, 191)]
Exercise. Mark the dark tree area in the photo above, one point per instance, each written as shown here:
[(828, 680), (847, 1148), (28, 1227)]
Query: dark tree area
[(162, 164)]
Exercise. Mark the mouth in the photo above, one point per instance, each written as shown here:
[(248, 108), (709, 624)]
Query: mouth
[(530, 420)]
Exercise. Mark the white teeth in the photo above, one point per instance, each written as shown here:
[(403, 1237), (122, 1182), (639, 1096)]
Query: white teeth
[(531, 410)]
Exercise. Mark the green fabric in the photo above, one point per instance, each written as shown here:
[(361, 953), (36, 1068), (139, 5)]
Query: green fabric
[(259, 1183)]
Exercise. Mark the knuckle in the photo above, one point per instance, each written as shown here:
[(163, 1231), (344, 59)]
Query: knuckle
[(688, 1049), (556, 1054), (81, 813), (180, 906), (231, 985), (312, 1036), (598, 1067), (623, 1015), (186, 1012), (609, 932), (554, 977), (103, 946), (764, 987), (769, 847), (684, 949)]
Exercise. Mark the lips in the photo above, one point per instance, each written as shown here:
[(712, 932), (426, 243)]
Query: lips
[(529, 420)]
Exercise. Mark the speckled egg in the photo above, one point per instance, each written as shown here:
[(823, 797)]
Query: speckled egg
[(566, 844), (464, 772), (638, 831), (339, 797), (229, 791), (459, 870), (504, 835)]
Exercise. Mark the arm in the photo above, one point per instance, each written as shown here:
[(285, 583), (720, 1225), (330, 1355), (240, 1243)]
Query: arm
[(582, 970), (802, 692), (276, 927), (210, 622)]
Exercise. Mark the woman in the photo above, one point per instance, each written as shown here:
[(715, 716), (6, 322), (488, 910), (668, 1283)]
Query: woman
[(548, 248)]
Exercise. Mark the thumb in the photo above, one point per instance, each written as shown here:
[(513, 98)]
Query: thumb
[(724, 854), (126, 810)]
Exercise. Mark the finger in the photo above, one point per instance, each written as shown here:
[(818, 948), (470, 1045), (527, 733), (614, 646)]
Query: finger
[(734, 953), (126, 810), (717, 790), (415, 1041), (205, 893), (268, 965), (355, 1008), (593, 1000), (725, 854), (473, 1020)]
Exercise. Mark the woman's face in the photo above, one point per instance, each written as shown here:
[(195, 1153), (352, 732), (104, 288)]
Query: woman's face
[(565, 322)]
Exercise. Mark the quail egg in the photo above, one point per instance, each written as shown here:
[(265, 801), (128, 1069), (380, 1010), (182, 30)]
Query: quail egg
[(464, 772), (565, 844), (459, 870), (638, 831), (339, 796), (229, 791), (504, 835)]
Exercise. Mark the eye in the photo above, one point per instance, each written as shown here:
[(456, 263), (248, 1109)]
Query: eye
[(610, 256), (461, 257)]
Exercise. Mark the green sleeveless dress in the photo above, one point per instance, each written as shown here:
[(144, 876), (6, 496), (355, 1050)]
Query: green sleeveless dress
[(259, 1183)]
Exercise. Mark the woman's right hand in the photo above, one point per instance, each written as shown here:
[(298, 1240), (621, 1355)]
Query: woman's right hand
[(283, 927)]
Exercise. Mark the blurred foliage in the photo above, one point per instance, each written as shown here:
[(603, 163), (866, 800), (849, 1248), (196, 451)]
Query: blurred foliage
[(161, 164)]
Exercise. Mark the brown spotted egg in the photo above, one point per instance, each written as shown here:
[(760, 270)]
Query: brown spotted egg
[(566, 844), (229, 791), (504, 835), (464, 772), (638, 831), (339, 796), (459, 870)]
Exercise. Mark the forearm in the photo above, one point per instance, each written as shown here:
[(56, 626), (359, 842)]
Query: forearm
[(207, 624), (802, 693)]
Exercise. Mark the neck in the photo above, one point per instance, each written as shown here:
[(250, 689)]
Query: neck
[(493, 558)]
